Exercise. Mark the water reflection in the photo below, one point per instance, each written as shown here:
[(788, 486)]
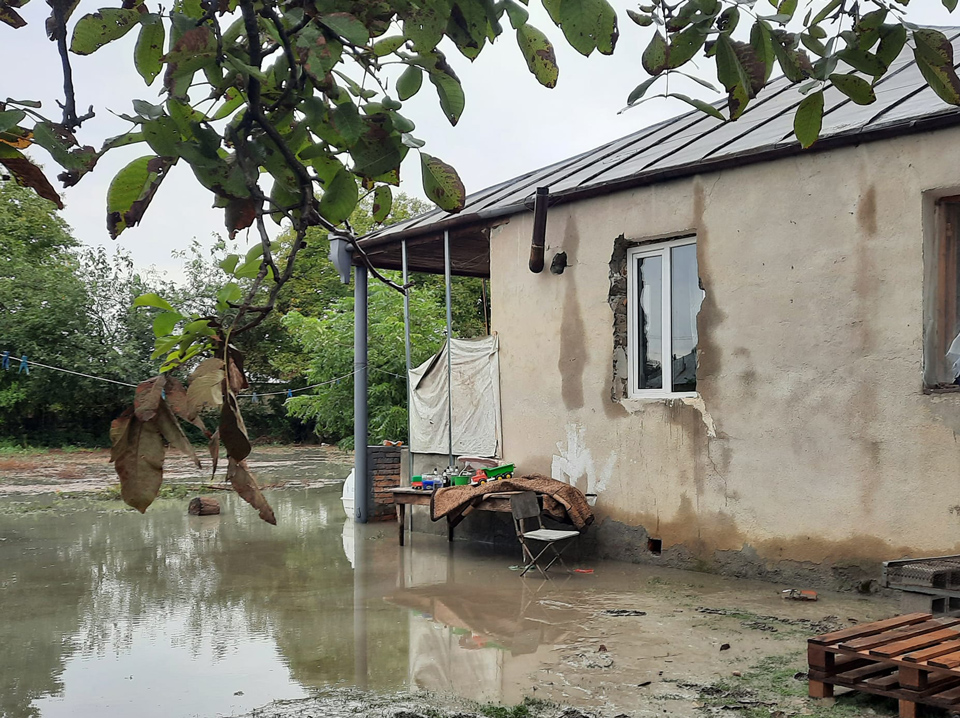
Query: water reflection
[(107, 611)]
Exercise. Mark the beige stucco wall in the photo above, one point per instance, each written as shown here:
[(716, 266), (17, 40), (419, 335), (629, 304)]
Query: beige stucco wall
[(814, 441)]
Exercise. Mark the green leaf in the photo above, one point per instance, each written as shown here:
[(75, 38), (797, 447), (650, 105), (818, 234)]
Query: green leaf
[(856, 88), (347, 121), (580, 22), (892, 39), (248, 270), (163, 136), (153, 300), (685, 45), (704, 107), (865, 62), (607, 32), (518, 14), (384, 47), (164, 323), (762, 44), (654, 58), (425, 25), (347, 27), (827, 9), (149, 49), (318, 54), (193, 50), (10, 118), (232, 99), (950, 5), (409, 82), (229, 263), (539, 54), (450, 93), (442, 184), (809, 119), (640, 90), (382, 203), (95, 30), (131, 191), (231, 291), (340, 197), (641, 20), (942, 79)]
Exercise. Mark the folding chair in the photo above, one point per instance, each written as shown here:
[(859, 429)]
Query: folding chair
[(525, 507)]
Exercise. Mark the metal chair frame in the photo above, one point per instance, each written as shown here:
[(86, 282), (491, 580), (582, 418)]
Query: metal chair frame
[(526, 507)]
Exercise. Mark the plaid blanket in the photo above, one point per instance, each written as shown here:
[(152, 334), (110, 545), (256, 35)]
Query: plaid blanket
[(561, 501)]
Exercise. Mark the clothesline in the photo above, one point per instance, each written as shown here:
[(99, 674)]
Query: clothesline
[(25, 363)]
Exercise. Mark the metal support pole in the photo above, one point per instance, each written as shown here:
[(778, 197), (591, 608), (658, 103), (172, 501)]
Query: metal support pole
[(406, 343), (446, 278), (360, 427)]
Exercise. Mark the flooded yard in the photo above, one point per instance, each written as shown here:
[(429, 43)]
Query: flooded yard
[(109, 613)]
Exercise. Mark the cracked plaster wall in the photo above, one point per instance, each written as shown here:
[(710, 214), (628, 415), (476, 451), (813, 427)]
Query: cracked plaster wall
[(811, 446)]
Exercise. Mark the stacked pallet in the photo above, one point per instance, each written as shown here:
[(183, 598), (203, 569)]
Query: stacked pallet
[(913, 658)]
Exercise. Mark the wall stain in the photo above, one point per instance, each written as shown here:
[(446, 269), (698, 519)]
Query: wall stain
[(573, 350), (865, 286)]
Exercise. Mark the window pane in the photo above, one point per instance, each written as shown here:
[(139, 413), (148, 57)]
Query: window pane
[(686, 296), (650, 322)]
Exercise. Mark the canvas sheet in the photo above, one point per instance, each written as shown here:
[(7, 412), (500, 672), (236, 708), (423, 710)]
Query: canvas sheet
[(477, 428)]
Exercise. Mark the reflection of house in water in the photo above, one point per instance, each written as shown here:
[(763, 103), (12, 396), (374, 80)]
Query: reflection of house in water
[(478, 641)]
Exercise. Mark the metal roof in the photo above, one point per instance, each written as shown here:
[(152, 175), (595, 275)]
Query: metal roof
[(693, 143)]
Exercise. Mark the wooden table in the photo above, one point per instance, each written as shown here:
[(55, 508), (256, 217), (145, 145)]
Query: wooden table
[(913, 658), (405, 496)]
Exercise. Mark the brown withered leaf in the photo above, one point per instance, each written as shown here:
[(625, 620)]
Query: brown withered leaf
[(27, 174), (173, 433), (180, 405), (244, 484), (240, 214), (139, 463), (214, 447), (236, 377), (118, 433), (148, 397), (233, 433), (10, 16), (204, 389)]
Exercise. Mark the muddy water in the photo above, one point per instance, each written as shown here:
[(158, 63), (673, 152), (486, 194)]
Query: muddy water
[(109, 613)]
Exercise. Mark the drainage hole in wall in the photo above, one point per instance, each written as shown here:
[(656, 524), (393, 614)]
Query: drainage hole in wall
[(654, 546)]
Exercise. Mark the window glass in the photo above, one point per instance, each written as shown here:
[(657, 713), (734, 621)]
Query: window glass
[(650, 322), (686, 297)]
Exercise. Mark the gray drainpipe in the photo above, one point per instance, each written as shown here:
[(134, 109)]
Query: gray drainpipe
[(360, 424)]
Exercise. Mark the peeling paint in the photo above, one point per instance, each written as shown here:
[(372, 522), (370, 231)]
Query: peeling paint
[(697, 403), (575, 465)]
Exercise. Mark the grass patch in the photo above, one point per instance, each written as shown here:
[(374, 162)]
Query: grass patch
[(529, 708), (775, 683)]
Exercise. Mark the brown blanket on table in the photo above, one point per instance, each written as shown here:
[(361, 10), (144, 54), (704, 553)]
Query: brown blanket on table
[(561, 501)]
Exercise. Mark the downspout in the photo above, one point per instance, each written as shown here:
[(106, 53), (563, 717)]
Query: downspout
[(406, 346), (539, 229), (360, 425)]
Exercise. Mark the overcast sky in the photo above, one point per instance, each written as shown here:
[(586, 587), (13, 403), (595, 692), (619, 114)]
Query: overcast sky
[(511, 124)]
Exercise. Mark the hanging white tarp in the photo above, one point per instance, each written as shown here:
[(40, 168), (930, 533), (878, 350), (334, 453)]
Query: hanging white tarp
[(475, 370)]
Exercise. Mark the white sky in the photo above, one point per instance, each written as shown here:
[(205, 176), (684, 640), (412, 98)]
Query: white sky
[(511, 124)]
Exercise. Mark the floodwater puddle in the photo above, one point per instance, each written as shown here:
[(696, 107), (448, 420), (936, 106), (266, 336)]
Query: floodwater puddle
[(109, 613)]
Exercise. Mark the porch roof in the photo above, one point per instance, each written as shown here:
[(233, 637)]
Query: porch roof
[(692, 143)]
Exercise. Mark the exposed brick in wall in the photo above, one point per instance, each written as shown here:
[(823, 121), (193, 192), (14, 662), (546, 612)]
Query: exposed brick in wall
[(383, 472)]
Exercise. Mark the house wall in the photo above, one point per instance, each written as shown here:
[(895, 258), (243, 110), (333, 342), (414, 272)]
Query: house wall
[(811, 453)]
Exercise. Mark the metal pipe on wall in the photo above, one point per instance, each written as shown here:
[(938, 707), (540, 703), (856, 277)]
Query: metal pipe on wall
[(406, 343), (446, 279), (360, 426)]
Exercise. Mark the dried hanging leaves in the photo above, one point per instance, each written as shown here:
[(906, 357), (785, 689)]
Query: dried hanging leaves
[(140, 435)]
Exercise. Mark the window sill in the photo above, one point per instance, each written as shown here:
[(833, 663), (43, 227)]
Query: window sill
[(662, 395)]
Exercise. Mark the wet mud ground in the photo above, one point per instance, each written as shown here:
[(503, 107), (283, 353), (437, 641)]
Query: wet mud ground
[(109, 613)]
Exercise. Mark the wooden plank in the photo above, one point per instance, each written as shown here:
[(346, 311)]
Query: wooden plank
[(949, 696), (869, 629), (860, 674), (884, 683), (912, 678), (932, 652), (950, 661), (917, 642), (878, 639), (908, 709)]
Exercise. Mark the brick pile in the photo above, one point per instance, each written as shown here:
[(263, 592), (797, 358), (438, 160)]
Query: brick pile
[(383, 467)]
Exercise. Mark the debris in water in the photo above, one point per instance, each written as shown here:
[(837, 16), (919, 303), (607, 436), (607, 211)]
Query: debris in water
[(583, 570), (725, 647), (602, 649), (622, 612), (795, 594)]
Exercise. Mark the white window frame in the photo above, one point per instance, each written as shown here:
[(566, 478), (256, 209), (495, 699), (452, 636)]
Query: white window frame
[(662, 250)]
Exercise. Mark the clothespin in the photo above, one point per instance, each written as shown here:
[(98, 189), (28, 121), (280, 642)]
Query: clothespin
[(24, 367), (253, 397), (5, 361), (289, 393)]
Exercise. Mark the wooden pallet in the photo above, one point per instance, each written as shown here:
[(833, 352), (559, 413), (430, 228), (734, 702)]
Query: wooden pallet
[(913, 658)]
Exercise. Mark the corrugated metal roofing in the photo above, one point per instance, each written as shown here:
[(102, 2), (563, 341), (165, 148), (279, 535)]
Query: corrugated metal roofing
[(693, 142)]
